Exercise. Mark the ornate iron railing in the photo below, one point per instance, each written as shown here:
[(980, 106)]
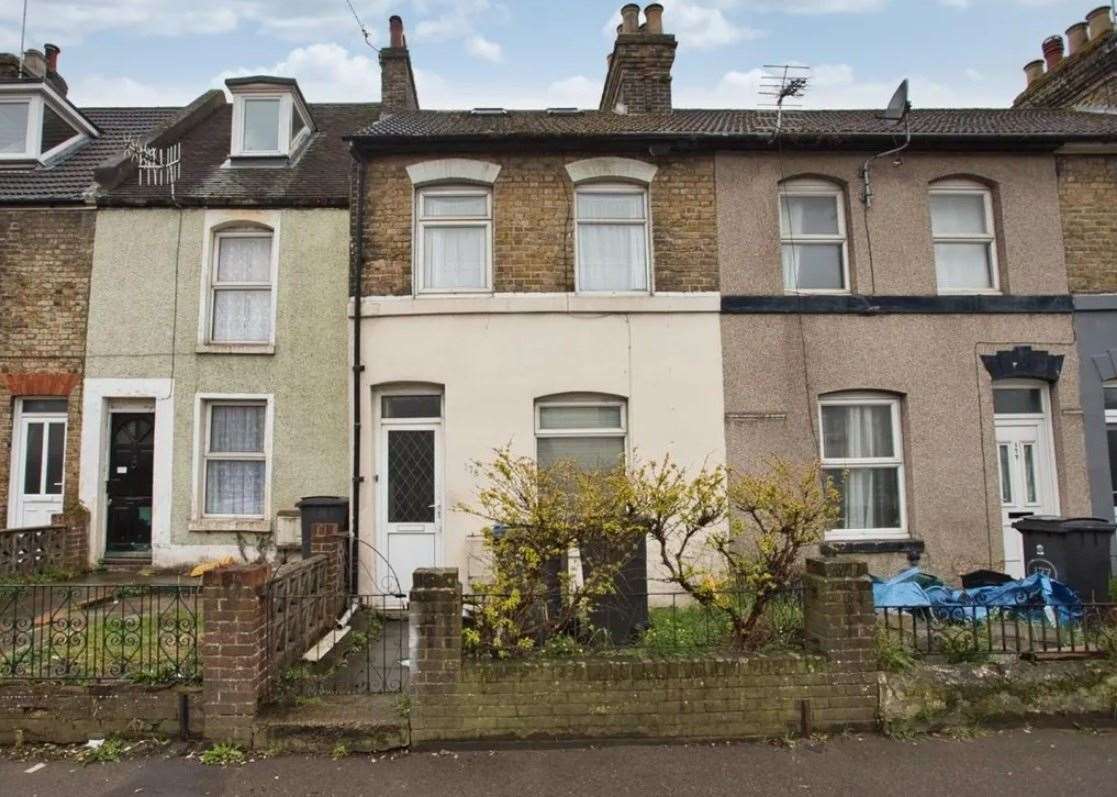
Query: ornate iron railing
[(99, 633), (32, 551)]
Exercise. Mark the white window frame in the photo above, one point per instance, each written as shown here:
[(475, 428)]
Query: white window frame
[(1110, 420), (614, 187), (16, 453), (583, 400), (203, 405), (422, 223), (968, 188), (37, 98), (848, 463), (31, 142), (217, 225), (794, 188), (285, 145)]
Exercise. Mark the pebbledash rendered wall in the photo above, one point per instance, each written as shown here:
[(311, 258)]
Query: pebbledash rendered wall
[(831, 686)]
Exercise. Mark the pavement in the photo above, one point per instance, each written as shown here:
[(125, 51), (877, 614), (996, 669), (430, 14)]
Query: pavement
[(1016, 763)]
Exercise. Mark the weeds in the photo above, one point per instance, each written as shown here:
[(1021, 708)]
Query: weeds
[(222, 755), (108, 752), (892, 655)]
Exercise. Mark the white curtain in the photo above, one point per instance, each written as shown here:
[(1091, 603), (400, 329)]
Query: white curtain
[(235, 487), (958, 214), (454, 257), (580, 417), (452, 205), (243, 315), (589, 453), (858, 431), (963, 266), (813, 266), (870, 495), (810, 215), (612, 256)]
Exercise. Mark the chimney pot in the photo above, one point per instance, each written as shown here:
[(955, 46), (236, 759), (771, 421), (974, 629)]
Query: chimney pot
[(1099, 21), (1077, 36), (395, 32), (654, 16), (1053, 51), (52, 51), (34, 64), (630, 18), (1033, 70)]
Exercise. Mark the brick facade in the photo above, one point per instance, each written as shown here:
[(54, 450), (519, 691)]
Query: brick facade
[(533, 226), (46, 255), (711, 697), (1087, 197)]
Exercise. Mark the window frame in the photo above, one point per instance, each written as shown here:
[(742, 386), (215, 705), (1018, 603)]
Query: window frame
[(38, 96), (219, 225), (1110, 416), (813, 188), (856, 463), (16, 453), (203, 412), (422, 223), (989, 239), (583, 400), (613, 187), (30, 146), (285, 144)]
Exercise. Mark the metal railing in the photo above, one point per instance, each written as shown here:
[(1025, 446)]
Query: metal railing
[(963, 632), (641, 622), (100, 632), (367, 652)]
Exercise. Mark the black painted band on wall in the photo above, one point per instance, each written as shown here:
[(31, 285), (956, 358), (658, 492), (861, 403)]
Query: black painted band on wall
[(859, 304)]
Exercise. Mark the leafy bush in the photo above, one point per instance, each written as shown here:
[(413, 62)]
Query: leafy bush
[(891, 654), (221, 755)]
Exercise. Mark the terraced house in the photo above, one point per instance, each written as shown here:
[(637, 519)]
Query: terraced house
[(639, 280), (1082, 74), (49, 151)]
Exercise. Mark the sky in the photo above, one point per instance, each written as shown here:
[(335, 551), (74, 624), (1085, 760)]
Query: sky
[(543, 53)]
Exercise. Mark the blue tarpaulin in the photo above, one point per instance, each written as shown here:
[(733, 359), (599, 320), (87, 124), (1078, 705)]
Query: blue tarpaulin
[(1034, 595)]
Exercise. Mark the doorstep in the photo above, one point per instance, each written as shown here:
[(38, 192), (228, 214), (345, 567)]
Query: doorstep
[(359, 723)]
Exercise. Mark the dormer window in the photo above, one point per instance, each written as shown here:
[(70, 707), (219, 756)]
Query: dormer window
[(36, 123), (270, 118)]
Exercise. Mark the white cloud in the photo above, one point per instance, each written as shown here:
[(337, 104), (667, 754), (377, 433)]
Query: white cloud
[(102, 90), (483, 48), (325, 72), (813, 6)]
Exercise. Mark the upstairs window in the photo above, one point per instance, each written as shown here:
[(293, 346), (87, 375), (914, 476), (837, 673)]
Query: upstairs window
[(14, 127), (270, 118), (261, 126), (813, 237), (612, 237), (241, 289), (454, 239), (862, 453), (964, 237)]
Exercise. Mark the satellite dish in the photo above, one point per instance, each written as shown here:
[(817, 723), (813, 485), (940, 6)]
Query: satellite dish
[(899, 105)]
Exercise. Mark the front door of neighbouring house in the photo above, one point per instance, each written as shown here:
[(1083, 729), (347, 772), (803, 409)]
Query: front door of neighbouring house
[(1025, 462), (409, 483), (38, 459), (129, 485)]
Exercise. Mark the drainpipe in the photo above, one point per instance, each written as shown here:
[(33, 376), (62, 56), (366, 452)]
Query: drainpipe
[(356, 271)]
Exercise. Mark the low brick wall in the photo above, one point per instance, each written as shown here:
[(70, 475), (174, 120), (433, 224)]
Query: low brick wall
[(834, 686), (59, 548), (71, 714), (932, 697)]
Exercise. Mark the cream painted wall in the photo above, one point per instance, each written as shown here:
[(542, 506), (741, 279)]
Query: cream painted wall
[(134, 328), (494, 366)]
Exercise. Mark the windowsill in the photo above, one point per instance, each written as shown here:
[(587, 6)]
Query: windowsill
[(869, 535), (973, 292), (440, 293), (246, 525), (562, 303), (818, 292), (875, 546), (235, 348)]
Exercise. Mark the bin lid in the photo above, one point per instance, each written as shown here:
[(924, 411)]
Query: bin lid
[(1054, 524), (321, 500)]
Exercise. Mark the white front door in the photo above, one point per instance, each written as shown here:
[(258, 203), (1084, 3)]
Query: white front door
[(1025, 462), (38, 462), (410, 488)]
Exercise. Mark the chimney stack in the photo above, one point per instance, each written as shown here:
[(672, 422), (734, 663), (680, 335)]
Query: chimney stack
[(1077, 35), (1053, 51), (397, 81), (34, 64), (639, 74), (1033, 70), (52, 51), (1099, 22)]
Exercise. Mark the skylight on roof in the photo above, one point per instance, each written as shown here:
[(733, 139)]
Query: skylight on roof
[(489, 112)]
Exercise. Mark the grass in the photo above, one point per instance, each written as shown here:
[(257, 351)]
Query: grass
[(691, 629), (223, 755)]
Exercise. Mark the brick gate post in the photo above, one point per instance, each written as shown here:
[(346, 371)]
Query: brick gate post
[(839, 617), (234, 649), (435, 628), (327, 540)]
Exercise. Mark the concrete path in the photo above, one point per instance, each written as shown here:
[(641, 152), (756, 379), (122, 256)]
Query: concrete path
[(1010, 763)]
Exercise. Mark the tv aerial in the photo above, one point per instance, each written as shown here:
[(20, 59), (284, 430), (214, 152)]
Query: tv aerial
[(897, 113), (156, 166), (783, 83)]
